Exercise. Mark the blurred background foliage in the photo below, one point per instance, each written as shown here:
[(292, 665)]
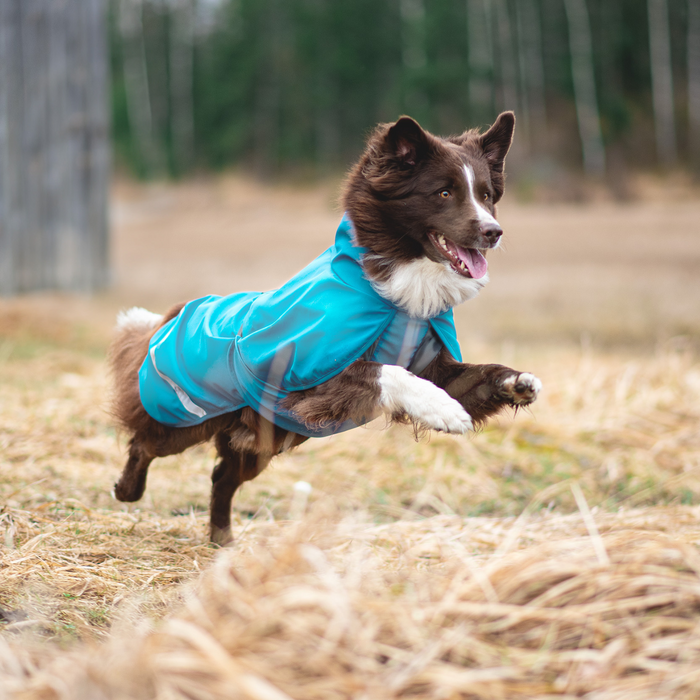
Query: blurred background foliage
[(293, 86)]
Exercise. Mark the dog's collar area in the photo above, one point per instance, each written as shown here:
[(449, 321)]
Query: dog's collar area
[(468, 262)]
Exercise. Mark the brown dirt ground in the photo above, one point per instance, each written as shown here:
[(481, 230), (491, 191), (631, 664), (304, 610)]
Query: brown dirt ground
[(617, 272), (603, 272)]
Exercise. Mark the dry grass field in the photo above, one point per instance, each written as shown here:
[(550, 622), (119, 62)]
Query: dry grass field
[(553, 555)]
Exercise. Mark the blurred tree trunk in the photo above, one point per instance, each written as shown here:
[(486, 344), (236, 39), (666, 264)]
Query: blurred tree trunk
[(413, 34), (413, 54), (268, 102), (531, 69), (694, 81), (54, 145), (584, 87), (327, 135), (662, 82), (156, 29), (10, 139), (136, 83), (480, 33), (508, 93), (181, 74)]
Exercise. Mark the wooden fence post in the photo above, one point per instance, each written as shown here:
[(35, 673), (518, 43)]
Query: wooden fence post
[(54, 145)]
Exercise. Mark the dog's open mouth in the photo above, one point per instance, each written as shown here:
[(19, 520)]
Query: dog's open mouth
[(468, 262)]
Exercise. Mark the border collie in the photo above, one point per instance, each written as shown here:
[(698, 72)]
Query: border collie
[(365, 329)]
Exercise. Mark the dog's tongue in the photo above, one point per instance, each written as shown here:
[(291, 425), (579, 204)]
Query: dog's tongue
[(474, 261)]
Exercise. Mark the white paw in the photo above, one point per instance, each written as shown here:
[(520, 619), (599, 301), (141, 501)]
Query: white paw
[(442, 412), (521, 389), (422, 401)]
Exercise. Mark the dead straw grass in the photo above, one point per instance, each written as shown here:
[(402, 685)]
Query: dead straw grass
[(76, 566), (554, 555), (443, 608)]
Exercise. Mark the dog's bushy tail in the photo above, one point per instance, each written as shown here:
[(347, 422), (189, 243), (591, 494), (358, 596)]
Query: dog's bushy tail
[(126, 354), (138, 318)]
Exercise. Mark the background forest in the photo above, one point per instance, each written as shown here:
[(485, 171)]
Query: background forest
[(294, 85)]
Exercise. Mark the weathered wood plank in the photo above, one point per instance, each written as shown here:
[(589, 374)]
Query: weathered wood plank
[(11, 223), (6, 242), (54, 145), (99, 135)]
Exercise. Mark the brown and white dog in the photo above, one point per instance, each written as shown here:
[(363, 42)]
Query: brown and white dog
[(424, 207)]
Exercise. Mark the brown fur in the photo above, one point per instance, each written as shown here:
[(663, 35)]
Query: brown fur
[(481, 389), (353, 394), (391, 192), (390, 197)]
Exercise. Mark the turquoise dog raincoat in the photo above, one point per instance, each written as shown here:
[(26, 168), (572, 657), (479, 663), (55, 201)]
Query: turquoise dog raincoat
[(220, 354)]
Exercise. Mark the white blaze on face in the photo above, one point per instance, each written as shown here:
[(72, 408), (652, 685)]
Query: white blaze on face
[(483, 216)]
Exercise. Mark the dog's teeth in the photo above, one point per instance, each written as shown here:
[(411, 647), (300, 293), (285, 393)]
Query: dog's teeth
[(441, 241), (462, 265)]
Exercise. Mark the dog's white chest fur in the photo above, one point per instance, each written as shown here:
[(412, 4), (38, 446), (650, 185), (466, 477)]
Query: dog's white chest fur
[(424, 289)]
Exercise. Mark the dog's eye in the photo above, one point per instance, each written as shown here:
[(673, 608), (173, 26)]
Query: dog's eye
[(486, 196), (445, 194)]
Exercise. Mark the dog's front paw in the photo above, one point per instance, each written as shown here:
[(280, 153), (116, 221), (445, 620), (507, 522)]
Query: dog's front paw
[(520, 389), (444, 414), (422, 401)]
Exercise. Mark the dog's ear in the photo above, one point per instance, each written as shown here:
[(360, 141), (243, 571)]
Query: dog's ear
[(407, 142), (393, 152), (495, 143)]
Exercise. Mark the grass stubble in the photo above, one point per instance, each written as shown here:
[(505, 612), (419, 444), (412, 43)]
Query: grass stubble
[(552, 555)]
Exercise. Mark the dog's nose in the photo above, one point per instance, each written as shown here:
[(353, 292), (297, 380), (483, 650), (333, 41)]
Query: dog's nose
[(493, 232)]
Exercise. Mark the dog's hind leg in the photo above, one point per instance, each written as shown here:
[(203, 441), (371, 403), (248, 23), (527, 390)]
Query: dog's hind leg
[(132, 482), (233, 469)]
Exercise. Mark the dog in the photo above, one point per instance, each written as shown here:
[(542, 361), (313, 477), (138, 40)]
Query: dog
[(366, 329)]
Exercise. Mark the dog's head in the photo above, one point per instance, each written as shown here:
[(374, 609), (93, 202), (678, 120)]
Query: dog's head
[(418, 198)]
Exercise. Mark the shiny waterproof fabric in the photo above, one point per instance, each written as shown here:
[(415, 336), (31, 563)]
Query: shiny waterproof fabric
[(252, 349)]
